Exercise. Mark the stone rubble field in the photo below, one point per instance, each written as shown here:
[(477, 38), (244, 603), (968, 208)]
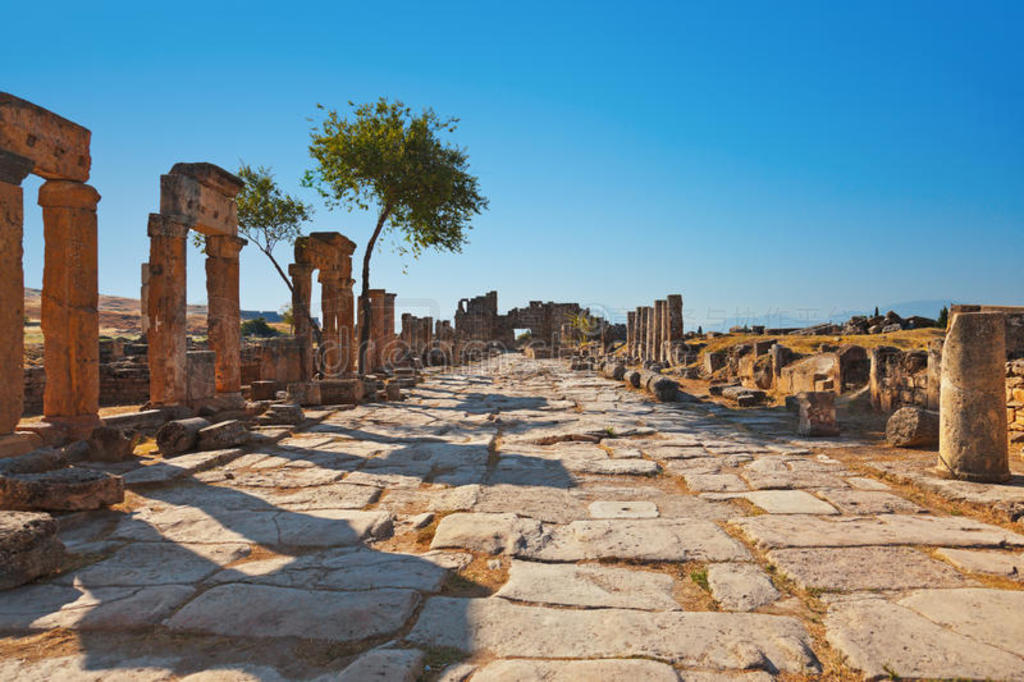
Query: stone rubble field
[(519, 521)]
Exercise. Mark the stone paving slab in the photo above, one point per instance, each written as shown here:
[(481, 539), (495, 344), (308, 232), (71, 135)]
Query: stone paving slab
[(864, 568), (705, 639), (609, 509), (608, 670), (165, 471), (588, 585), (157, 563), (43, 606), (780, 501), (985, 561), (741, 586), (774, 531), (870, 502), (392, 665), (992, 616), (264, 611), (884, 640), (484, 532), (714, 482)]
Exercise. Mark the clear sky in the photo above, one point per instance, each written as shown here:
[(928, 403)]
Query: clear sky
[(764, 158)]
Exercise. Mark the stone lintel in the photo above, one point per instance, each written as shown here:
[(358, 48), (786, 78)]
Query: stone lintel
[(335, 240), (334, 278), (224, 246), (13, 167), (300, 269), (59, 149), (211, 175), (68, 194), (166, 226), (206, 209)]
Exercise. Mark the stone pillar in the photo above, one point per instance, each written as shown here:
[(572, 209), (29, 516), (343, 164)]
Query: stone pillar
[(661, 332), (373, 302), (630, 332), (651, 323), (302, 294), (144, 299), (386, 339), (639, 334), (934, 374), (330, 339), (675, 317), (168, 367), (645, 328), (972, 401), (13, 169), (223, 319), (71, 327), (347, 328)]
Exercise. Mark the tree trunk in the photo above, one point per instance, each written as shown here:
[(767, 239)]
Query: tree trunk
[(366, 316), (312, 323)]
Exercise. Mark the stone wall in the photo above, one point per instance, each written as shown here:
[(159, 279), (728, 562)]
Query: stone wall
[(121, 383), (1015, 399)]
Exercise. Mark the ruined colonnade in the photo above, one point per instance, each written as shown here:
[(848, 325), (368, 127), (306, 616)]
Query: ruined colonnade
[(653, 332)]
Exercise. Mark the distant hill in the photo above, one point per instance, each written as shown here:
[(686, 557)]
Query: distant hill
[(118, 315)]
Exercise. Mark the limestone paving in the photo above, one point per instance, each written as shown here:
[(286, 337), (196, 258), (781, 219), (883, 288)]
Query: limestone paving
[(515, 520)]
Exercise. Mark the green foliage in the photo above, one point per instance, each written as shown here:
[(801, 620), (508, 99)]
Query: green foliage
[(700, 330), (525, 337), (700, 577), (387, 158), (583, 324), (266, 215), (258, 327), (943, 320), (287, 316)]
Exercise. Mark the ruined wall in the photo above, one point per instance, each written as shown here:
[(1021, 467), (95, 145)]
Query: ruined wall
[(1015, 399)]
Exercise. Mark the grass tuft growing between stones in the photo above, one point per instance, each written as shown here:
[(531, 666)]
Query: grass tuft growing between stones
[(700, 577)]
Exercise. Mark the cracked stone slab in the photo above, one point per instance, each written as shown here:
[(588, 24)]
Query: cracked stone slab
[(780, 501), (157, 563), (793, 480), (641, 539), (165, 471), (714, 482), (985, 561), (44, 606), (864, 483), (883, 639), (588, 585), (995, 617), (774, 531), (613, 467), (864, 568), (703, 639), (265, 611), (484, 532), (392, 665), (85, 668), (741, 586), (607, 509), (870, 502), (607, 670)]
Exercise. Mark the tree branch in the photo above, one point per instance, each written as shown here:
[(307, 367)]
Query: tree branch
[(364, 303)]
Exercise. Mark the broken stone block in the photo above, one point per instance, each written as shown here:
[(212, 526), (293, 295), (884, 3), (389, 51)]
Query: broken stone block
[(37, 461), (342, 391), (109, 444), (283, 414), (911, 427), (223, 435), (179, 436), (14, 444), (664, 389), (817, 413), (70, 489), (263, 390), (632, 377), (29, 547), (305, 393), (393, 391)]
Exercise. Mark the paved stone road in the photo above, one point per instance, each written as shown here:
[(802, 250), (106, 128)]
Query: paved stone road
[(515, 522)]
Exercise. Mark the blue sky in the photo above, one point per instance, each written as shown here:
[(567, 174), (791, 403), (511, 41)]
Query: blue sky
[(760, 158)]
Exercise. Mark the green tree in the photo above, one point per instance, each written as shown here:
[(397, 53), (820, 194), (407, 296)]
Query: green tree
[(267, 216), (258, 327), (287, 316), (385, 158), (943, 320)]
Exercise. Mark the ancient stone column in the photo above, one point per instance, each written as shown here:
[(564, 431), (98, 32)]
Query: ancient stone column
[(934, 374), (630, 332), (71, 327), (387, 329), (661, 332), (972, 401), (222, 313), (642, 337), (302, 294), (651, 325), (639, 334), (347, 328), (168, 367), (330, 339), (675, 317), (144, 299), (373, 302), (13, 169)]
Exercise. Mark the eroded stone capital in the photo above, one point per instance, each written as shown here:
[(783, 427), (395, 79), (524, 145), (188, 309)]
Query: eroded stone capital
[(68, 194), (14, 168), (224, 246), (166, 226)]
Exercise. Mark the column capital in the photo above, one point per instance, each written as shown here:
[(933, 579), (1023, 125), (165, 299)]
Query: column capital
[(224, 245), (68, 194), (14, 168), (300, 269), (161, 225)]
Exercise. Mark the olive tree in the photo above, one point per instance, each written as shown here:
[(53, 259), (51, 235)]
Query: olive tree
[(383, 158)]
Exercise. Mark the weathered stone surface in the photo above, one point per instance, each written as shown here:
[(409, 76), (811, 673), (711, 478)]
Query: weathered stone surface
[(817, 413), (696, 639), (984, 561), (283, 414), (613, 467), (864, 568), (180, 435), (740, 586), (645, 540), (883, 640), (604, 509), (608, 670), (972, 403), (590, 586), (800, 531), (109, 444), (484, 532), (397, 665), (222, 435), (158, 563), (43, 606), (57, 147), (780, 501), (29, 547), (262, 611), (862, 483), (912, 427), (164, 472), (60, 490), (714, 482), (985, 615), (869, 502)]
